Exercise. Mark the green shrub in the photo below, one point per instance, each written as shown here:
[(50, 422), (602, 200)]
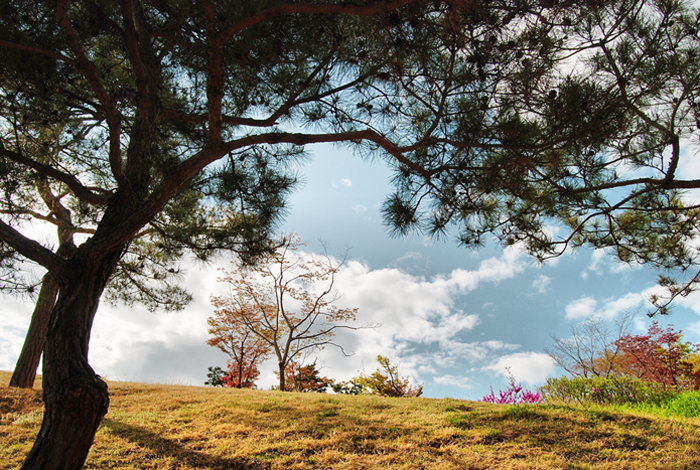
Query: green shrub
[(604, 391)]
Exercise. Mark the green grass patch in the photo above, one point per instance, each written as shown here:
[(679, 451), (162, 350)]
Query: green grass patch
[(682, 405)]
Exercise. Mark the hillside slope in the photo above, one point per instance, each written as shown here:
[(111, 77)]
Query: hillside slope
[(183, 427)]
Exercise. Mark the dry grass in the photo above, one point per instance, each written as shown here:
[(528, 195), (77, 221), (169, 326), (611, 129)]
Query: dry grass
[(178, 427)]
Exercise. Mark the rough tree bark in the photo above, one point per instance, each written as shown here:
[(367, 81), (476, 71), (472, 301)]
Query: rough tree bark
[(28, 361), (76, 399)]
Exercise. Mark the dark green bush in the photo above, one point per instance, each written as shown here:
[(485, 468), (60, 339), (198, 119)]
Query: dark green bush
[(604, 390)]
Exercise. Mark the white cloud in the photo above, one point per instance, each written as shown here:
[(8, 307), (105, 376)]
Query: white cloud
[(409, 308), (455, 381), (626, 302), (581, 308), (595, 267), (347, 182), (453, 353), (421, 328), (541, 283), (359, 208), (497, 345), (166, 347), (586, 307), (603, 261), (415, 313), (14, 319), (410, 255), (531, 368)]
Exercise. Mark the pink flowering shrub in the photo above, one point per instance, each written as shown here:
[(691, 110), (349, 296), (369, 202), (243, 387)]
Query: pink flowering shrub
[(515, 394)]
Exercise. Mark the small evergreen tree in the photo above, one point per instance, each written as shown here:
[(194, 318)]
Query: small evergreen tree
[(214, 376)]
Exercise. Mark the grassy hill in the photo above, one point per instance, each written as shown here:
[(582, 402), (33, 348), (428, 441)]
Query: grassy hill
[(180, 427)]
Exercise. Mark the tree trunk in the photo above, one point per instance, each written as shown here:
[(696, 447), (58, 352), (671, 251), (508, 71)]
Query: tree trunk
[(282, 378), (75, 398), (28, 361)]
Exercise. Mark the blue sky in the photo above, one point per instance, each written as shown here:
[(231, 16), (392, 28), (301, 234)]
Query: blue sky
[(452, 318)]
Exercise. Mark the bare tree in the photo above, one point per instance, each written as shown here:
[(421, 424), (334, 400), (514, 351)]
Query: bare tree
[(592, 349)]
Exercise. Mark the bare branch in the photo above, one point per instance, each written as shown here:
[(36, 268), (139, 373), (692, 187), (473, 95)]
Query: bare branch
[(32, 250), (80, 191)]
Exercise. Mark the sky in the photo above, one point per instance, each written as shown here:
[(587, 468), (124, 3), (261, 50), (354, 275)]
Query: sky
[(455, 320)]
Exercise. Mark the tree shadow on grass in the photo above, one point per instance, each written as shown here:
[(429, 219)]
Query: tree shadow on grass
[(162, 446)]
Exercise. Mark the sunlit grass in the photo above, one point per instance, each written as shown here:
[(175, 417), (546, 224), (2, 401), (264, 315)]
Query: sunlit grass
[(180, 427), (684, 405)]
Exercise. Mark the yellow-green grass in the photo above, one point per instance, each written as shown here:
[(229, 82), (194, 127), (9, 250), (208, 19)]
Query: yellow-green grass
[(181, 427)]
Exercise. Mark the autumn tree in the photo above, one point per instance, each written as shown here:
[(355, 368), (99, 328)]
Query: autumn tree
[(305, 378), (498, 117), (387, 381), (287, 300), (245, 349), (596, 350), (658, 356)]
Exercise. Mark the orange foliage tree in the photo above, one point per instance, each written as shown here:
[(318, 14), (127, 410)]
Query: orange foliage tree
[(245, 349), (287, 301), (659, 356)]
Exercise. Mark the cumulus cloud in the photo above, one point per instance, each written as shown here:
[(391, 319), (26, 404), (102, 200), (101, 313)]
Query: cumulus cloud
[(531, 368), (166, 347), (453, 353), (587, 307), (541, 283), (455, 381), (359, 208), (417, 314), (347, 182), (14, 318), (581, 308), (422, 329)]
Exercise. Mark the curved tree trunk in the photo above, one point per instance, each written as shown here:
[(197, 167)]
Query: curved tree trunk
[(75, 398), (28, 361)]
